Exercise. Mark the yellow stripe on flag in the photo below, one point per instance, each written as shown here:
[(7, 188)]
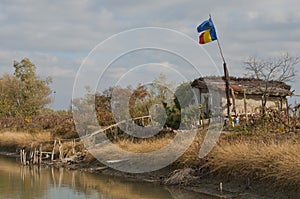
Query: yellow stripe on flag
[(207, 37)]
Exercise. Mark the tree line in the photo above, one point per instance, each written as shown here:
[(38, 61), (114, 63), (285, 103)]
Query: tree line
[(25, 94)]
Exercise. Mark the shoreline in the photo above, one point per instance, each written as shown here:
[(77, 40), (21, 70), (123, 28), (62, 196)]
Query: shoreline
[(205, 185), (244, 164), (153, 177)]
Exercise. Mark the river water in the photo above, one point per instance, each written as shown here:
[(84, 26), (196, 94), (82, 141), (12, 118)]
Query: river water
[(18, 182)]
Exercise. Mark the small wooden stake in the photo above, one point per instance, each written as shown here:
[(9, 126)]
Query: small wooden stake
[(24, 157), (287, 111), (35, 156), (233, 101), (245, 107), (21, 156), (73, 147), (40, 160), (60, 150), (53, 151), (31, 154), (143, 122)]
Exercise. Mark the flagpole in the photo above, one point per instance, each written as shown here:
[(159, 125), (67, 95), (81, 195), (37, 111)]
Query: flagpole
[(221, 52), (226, 77)]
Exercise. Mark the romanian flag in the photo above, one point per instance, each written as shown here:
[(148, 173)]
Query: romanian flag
[(208, 32)]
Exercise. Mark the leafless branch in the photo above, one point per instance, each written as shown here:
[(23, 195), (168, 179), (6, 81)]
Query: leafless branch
[(281, 69)]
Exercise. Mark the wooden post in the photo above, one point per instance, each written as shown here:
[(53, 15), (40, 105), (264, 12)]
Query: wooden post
[(24, 157), (53, 151), (40, 158), (60, 150), (143, 123), (73, 147), (31, 154), (233, 101), (227, 89), (287, 110), (245, 106), (21, 156), (35, 156)]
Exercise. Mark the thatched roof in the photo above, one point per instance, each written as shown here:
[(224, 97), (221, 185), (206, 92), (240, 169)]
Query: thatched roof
[(249, 85)]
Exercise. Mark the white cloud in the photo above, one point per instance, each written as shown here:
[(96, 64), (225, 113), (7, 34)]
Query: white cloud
[(56, 71), (57, 35)]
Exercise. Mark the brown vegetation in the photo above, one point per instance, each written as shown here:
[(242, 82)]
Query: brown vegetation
[(274, 162), (272, 159), (144, 146), (60, 124), (11, 141)]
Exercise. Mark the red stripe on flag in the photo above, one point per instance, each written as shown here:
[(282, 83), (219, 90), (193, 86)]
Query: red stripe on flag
[(201, 38)]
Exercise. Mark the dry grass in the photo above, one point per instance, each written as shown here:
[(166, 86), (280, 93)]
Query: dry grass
[(274, 163), (189, 158), (149, 145), (163, 148), (273, 160), (10, 141), (13, 141), (143, 146)]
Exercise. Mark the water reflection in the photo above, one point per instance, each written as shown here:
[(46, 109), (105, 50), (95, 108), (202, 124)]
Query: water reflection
[(33, 182)]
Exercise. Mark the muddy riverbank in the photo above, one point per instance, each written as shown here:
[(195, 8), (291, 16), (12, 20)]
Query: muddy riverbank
[(236, 168), (176, 180)]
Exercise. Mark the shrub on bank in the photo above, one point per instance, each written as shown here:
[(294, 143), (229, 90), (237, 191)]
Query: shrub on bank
[(59, 123)]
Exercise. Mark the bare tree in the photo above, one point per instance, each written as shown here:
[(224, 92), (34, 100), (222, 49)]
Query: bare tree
[(280, 69)]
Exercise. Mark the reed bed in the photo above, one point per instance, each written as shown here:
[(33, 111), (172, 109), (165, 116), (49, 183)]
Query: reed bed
[(276, 163), (11, 141)]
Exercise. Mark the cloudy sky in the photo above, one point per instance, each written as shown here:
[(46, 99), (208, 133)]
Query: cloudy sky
[(58, 35)]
